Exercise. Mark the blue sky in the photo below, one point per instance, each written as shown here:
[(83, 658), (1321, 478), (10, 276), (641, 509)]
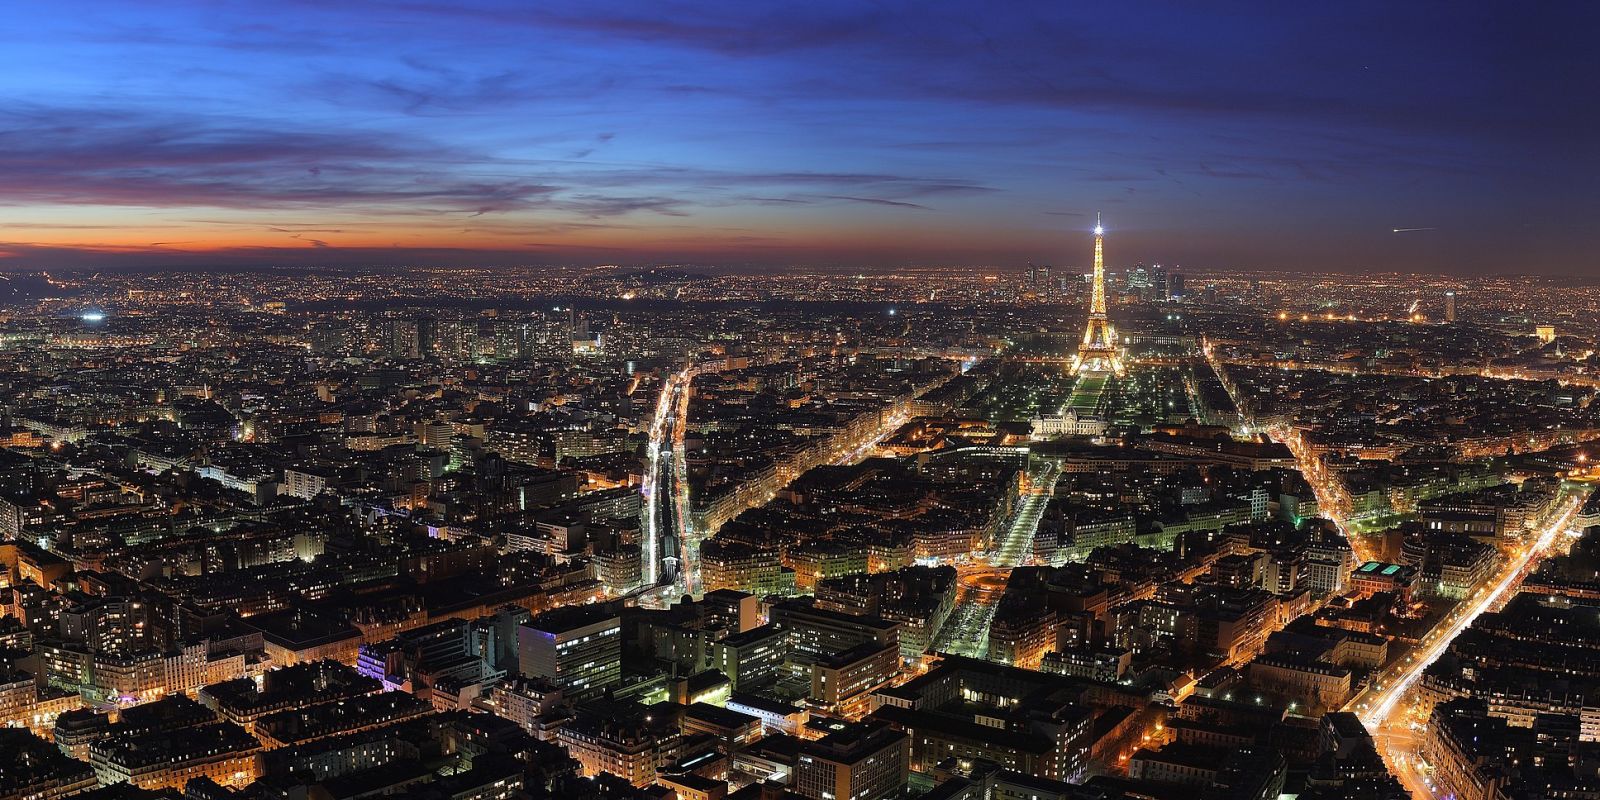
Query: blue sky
[(754, 135)]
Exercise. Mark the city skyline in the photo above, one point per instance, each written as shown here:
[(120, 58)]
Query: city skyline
[(1356, 139), (689, 400), (614, 535)]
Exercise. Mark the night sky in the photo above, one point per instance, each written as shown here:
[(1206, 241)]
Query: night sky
[(745, 135)]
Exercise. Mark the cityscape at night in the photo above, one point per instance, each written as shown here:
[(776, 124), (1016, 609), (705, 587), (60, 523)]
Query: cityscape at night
[(501, 400)]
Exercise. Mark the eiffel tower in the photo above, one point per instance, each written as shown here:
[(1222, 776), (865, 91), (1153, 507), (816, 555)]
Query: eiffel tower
[(1098, 352)]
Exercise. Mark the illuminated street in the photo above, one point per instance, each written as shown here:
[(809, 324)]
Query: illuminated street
[(1331, 494), (664, 490), (1014, 547), (1383, 707), (966, 632)]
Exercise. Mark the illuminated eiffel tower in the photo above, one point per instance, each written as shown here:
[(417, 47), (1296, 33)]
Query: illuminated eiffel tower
[(1098, 352)]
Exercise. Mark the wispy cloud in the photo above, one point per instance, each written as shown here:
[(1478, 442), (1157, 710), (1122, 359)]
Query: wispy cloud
[(586, 122), (124, 157), (877, 201)]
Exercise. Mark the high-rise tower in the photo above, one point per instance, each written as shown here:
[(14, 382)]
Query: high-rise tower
[(1098, 352)]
